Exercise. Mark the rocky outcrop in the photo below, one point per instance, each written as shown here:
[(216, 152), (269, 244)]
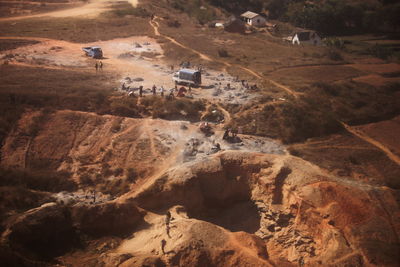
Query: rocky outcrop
[(106, 219), (42, 233), (52, 230), (301, 213)]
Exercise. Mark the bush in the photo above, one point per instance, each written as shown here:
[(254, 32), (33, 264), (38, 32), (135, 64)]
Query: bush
[(131, 175), (129, 10), (381, 51), (177, 108), (223, 53), (125, 107), (334, 55), (173, 23)]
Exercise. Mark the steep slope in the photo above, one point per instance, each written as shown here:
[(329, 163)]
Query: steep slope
[(231, 208)]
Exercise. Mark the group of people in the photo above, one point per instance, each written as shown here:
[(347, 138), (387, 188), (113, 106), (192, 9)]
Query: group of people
[(181, 92), (98, 65), (231, 134), (246, 85)]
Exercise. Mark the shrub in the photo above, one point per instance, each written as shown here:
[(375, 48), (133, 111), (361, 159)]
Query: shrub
[(334, 55), (131, 175), (173, 23), (223, 53), (118, 172), (129, 10), (381, 51)]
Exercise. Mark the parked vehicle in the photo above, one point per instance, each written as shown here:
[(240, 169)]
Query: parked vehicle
[(187, 76), (93, 51)]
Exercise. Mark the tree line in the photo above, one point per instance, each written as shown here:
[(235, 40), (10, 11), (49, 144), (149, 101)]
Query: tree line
[(329, 17)]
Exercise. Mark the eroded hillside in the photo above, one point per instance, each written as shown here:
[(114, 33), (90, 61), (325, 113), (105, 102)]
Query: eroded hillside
[(298, 164)]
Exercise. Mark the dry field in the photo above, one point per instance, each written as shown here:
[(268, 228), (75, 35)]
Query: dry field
[(20, 8)]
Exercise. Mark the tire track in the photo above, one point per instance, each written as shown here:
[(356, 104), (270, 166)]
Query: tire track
[(366, 138)]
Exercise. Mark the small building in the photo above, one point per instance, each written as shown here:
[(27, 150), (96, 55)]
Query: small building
[(253, 19), (306, 37), (235, 25)]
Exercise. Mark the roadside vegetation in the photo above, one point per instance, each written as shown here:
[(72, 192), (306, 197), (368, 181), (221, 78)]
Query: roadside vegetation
[(196, 9), (329, 17), (319, 111)]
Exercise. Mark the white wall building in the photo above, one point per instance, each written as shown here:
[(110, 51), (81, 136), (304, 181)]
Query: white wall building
[(306, 37), (253, 19)]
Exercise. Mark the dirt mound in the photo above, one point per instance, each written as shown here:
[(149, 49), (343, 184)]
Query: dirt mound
[(100, 220), (231, 208), (53, 230), (42, 233), (111, 153), (301, 213)]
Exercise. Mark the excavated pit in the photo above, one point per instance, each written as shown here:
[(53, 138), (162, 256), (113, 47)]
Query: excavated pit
[(221, 196), (227, 199)]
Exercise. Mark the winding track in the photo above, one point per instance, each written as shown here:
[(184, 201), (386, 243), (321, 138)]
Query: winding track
[(92, 8), (365, 137)]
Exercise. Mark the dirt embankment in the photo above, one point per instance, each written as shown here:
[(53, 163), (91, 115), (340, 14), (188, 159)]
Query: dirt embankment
[(232, 209), (105, 151), (302, 214)]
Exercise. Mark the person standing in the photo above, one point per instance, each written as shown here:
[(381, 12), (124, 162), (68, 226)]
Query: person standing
[(154, 88), (162, 91), (141, 91), (101, 65), (96, 66), (163, 244), (167, 221)]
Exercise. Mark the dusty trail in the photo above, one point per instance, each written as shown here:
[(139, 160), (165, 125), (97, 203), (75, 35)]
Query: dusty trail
[(91, 9), (35, 3), (156, 26), (363, 136), (227, 115)]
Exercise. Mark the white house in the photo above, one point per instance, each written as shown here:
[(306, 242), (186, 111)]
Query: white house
[(253, 19), (306, 37)]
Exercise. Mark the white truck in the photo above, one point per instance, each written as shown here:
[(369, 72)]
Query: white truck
[(93, 51), (187, 76)]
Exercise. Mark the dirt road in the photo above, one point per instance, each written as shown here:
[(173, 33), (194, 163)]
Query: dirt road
[(365, 137), (92, 9)]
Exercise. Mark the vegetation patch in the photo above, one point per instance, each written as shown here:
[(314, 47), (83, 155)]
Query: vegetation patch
[(126, 9), (8, 44), (49, 181), (174, 109), (196, 9), (105, 27)]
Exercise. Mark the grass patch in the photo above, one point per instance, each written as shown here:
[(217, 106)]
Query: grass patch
[(49, 181), (292, 121), (12, 44), (49, 90), (105, 27), (356, 103), (126, 9), (174, 109)]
